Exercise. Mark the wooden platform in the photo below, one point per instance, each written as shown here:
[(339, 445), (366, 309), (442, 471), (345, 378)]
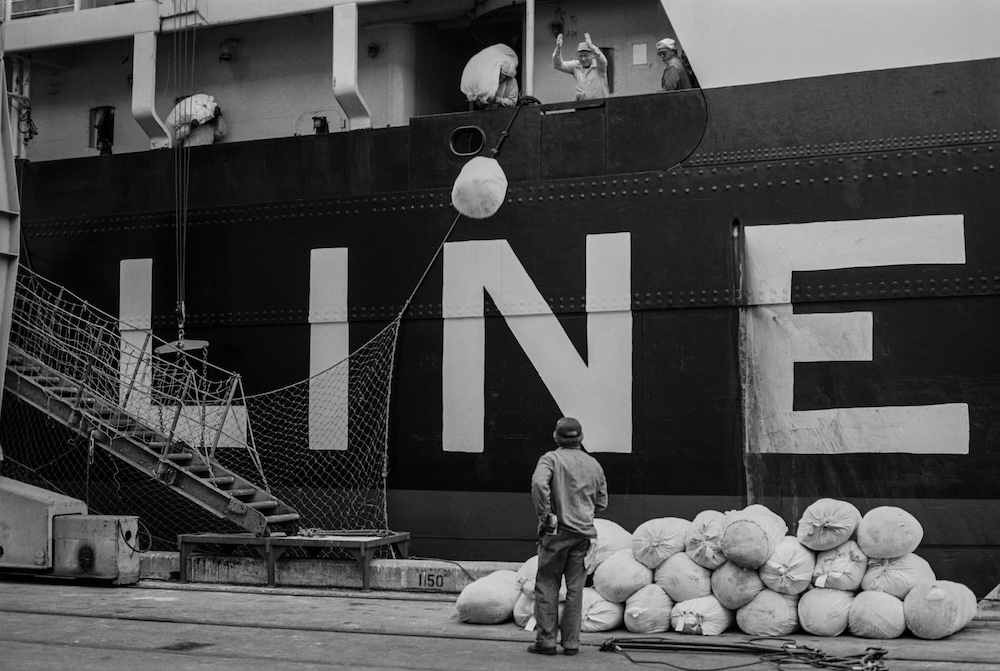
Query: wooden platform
[(361, 545)]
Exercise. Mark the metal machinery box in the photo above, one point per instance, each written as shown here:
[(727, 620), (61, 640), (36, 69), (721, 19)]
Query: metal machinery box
[(26, 518), (96, 546)]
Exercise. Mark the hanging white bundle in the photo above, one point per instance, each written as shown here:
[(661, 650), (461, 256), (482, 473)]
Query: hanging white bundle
[(648, 611), (599, 614), (682, 579), (749, 536), (888, 531), (703, 541), (789, 569), (704, 615), (898, 575), (736, 586), (828, 523), (654, 541), (489, 600), (481, 75), (526, 578), (611, 537), (480, 188), (938, 608), (190, 113), (825, 612), (843, 567), (769, 614), (620, 576), (876, 615)]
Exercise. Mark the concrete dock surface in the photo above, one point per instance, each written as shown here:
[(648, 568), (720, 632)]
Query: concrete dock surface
[(48, 625)]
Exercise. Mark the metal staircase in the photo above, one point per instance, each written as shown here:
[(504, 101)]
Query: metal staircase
[(63, 361)]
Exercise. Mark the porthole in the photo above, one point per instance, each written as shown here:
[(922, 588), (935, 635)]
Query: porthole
[(467, 140)]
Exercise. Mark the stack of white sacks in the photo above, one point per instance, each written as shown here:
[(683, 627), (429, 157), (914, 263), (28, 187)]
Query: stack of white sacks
[(840, 573)]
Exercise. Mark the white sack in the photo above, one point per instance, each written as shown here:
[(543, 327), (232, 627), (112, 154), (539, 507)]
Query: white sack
[(789, 569), (489, 600), (828, 523), (524, 612), (480, 188), (648, 611), (735, 586), (599, 614), (842, 567), (611, 538), (654, 541), (749, 536), (769, 614), (896, 576), (704, 615), (825, 612), (703, 541), (199, 108), (876, 615), (620, 576), (888, 531), (938, 608), (481, 75), (682, 579), (526, 578)]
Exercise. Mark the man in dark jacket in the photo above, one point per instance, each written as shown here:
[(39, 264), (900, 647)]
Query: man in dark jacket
[(675, 76), (567, 488)]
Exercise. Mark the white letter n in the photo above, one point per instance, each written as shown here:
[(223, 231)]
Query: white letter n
[(597, 392)]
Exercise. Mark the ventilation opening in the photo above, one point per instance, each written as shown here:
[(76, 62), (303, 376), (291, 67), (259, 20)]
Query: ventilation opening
[(467, 140), (102, 129)]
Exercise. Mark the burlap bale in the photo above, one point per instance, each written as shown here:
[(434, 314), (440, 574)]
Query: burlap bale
[(876, 615), (749, 536), (611, 538), (789, 569), (656, 540), (938, 608), (898, 575), (769, 614), (703, 541), (480, 188), (736, 586), (489, 600), (825, 612), (843, 567), (888, 531), (648, 611), (704, 616), (599, 614), (828, 523), (682, 579), (620, 576)]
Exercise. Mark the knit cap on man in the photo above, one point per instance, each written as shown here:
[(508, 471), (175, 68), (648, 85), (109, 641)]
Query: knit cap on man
[(568, 432)]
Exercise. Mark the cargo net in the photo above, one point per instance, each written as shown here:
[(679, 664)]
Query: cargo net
[(295, 442)]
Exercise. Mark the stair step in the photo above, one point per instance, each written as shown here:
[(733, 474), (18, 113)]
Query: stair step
[(262, 505), (46, 379), (221, 480), (178, 457), (243, 491), (278, 519), (199, 467), (64, 391)]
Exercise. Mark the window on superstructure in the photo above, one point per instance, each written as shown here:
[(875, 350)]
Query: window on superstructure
[(102, 129)]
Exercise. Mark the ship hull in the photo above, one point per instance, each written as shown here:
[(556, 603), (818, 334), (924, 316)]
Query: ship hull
[(696, 188)]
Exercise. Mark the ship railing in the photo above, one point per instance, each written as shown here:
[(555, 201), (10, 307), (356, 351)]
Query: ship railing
[(18, 9)]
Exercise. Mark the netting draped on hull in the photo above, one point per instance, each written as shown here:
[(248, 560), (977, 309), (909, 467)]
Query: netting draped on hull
[(323, 441), (319, 445)]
